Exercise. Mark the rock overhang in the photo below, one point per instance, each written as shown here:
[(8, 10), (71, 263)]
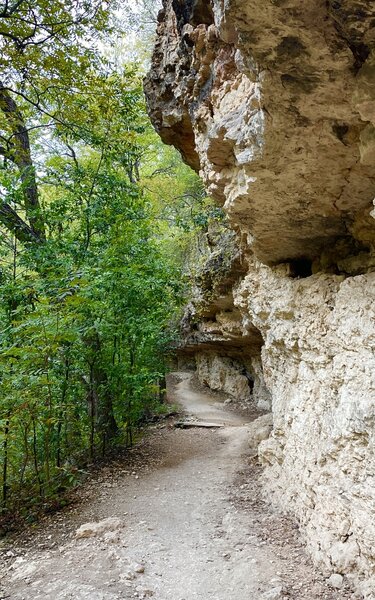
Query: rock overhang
[(272, 103)]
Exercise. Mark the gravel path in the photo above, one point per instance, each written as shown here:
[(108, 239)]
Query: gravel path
[(181, 519)]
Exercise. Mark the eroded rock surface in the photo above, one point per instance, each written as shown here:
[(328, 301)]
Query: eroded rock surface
[(273, 102)]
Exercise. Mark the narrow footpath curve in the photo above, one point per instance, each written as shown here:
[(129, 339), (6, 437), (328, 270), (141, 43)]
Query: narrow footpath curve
[(187, 524)]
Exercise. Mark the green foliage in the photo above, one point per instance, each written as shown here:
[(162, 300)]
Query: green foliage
[(96, 218), (45, 43)]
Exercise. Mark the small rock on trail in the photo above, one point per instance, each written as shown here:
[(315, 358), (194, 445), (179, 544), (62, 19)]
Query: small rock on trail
[(94, 529)]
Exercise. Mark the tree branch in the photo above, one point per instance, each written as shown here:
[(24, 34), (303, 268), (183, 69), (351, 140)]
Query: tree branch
[(21, 157), (7, 10), (13, 222)]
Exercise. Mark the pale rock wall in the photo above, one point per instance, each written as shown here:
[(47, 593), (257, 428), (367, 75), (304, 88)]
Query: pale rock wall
[(319, 365), (222, 374), (259, 430), (226, 374), (273, 102), (261, 395)]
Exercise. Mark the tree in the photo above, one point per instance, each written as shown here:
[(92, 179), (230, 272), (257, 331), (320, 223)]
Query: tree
[(48, 49)]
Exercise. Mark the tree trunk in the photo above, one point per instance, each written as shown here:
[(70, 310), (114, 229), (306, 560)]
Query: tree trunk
[(17, 150), (5, 463)]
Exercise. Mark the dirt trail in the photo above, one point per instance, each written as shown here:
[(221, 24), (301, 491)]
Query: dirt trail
[(190, 525)]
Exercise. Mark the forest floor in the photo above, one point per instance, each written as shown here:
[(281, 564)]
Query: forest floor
[(180, 518)]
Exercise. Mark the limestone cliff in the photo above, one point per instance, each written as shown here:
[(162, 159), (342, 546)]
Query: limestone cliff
[(273, 102)]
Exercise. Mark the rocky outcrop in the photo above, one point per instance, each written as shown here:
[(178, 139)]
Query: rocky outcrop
[(273, 102), (318, 363), (227, 355)]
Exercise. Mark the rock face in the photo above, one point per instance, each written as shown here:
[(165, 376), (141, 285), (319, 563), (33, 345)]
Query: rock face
[(273, 102)]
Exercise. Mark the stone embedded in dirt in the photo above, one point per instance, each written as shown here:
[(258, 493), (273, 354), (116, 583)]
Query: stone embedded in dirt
[(95, 529), (144, 593), (344, 555), (128, 575), (275, 593), (23, 569), (112, 537), (138, 568), (336, 580)]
